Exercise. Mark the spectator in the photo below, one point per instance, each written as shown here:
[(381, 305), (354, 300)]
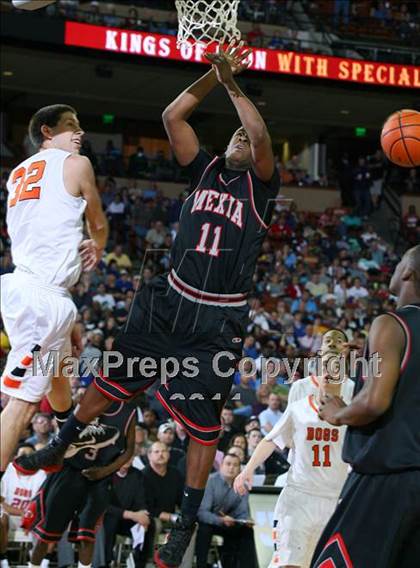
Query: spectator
[(255, 36), (116, 211), (376, 167), (310, 342), (315, 287), (358, 291), (276, 42), (270, 416), (228, 429), (42, 430), (181, 439), (156, 235), (166, 435), (163, 484), (252, 423), (362, 181), (150, 418), (138, 162), (127, 509), (141, 446), (120, 257), (103, 298), (243, 395), (219, 513)]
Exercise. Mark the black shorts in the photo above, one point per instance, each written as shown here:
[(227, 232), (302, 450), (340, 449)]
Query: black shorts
[(191, 348), (376, 524), (68, 497)]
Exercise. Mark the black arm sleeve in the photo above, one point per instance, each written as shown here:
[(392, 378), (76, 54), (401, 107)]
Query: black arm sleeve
[(196, 168), (265, 193)]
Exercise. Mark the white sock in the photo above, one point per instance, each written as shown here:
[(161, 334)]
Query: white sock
[(80, 565), (34, 565)]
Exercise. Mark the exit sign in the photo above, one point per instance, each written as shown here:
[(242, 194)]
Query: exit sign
[(360, 131)]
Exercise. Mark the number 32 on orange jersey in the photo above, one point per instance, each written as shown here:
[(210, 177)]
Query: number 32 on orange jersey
[(25, 181)]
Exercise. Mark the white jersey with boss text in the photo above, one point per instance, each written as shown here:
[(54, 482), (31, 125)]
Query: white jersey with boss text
[(316, 464), (310, 385), (45, 222), (17, 490)]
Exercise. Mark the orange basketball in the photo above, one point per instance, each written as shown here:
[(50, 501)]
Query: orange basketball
[(400, 138)]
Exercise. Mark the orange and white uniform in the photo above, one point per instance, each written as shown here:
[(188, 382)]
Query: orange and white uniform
[(45, 225), (314, 480), (17, 491)]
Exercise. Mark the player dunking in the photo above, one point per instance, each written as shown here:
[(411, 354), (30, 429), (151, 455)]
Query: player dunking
[(377, 521), (315, 478), (48, 195), (200, 308)]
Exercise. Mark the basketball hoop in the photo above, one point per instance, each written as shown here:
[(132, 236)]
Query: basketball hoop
[(207, 21)]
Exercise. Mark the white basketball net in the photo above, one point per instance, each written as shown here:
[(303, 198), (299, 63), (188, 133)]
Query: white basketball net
[(207, 20)]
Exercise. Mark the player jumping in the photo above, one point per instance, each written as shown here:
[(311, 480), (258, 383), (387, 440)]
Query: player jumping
[(314, 480), (49, 193), (377, 521), (200, 308)]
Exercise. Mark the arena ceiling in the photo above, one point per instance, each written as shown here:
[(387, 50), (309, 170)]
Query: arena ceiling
[(141, 91)]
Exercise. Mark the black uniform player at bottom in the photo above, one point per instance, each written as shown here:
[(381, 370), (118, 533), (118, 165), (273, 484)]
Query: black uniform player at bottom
[(377, 520), (195, 315), (80, 493)]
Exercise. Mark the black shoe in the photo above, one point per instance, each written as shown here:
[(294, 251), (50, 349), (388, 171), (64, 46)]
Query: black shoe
[(170, 555), (93, 436), (49, 458)]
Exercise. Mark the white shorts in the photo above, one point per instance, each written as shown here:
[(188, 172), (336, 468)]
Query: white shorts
[(34, 314), (299, 519)]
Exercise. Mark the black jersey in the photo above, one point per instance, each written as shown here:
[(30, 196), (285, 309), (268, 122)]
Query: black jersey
[(118, 417), (222, 226), (392, 442)]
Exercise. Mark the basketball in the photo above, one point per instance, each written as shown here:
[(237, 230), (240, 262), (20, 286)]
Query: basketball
[(400, 138)]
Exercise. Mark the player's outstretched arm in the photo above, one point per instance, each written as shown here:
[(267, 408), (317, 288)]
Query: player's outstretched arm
[(386, 342), (263, 451), (251, 119), (183, 139), (79, 179)]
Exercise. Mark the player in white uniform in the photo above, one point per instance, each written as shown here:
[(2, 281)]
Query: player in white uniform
[(314, 480), (334, 342), (16, 492), (48, 195)]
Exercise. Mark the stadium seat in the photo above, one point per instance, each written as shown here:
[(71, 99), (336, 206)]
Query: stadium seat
[(20, 542)]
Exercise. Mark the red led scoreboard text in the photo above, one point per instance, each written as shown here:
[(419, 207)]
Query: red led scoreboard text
[(266, 60)]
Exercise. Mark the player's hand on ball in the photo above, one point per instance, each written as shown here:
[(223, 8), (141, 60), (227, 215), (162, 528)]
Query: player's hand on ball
[(328, 408), (243, 483), (90, 254)]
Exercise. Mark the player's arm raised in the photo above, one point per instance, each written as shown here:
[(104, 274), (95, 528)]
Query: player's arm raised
[(387, 341), (79, 180), (225, 65), (95, 473), (183, 139)]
